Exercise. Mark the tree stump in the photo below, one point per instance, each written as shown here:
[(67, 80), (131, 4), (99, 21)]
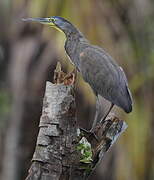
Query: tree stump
[(63, 151)]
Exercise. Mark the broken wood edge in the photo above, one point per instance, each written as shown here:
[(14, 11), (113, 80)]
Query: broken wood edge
[(106, 134)]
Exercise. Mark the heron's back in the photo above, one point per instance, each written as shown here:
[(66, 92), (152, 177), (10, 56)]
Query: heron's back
[(105, 77)]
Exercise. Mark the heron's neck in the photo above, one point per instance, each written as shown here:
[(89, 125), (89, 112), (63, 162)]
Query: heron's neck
[(73, 39), (73, 47)]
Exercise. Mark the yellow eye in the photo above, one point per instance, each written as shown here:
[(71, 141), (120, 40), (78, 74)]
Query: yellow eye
[(52, 20)]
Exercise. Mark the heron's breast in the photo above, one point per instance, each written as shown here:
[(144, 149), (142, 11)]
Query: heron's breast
[(74, 60)]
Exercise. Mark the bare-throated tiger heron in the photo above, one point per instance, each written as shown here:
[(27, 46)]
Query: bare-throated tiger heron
[(97, 67)]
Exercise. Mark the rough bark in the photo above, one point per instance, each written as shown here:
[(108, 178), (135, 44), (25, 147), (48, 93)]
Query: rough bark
[(63, 151)]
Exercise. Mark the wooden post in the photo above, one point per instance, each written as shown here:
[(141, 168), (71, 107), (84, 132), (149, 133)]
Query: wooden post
[(63, 152)]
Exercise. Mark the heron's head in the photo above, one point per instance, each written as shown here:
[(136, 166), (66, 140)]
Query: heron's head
[(56, 22)]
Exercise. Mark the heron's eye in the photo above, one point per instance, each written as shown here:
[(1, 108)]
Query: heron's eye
[(52, 20)]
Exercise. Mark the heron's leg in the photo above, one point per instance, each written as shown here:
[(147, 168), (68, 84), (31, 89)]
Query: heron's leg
[(96, 114), (75, 74), (90, 132), (103, 119)]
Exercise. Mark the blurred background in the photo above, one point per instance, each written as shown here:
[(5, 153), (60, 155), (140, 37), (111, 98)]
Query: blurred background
[(28, 56)]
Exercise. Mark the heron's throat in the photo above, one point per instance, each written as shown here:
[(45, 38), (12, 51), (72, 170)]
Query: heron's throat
[(73, 46)]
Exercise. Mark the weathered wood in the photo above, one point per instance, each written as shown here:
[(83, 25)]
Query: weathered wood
[(63, 152), (107, 134), (58, 132)]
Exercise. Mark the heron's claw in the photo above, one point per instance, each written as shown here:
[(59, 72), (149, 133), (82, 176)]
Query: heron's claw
[(70, 77), (89, 134)]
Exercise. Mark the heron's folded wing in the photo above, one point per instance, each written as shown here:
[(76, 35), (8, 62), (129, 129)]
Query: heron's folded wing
[(105, 77)]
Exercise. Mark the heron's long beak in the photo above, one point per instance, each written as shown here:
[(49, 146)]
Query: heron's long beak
[(47, 21)]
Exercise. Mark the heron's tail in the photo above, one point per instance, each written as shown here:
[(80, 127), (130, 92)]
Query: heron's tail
[(128, 106)]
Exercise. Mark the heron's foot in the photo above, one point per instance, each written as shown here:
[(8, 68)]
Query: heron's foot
[(70, 77), (89, 134)]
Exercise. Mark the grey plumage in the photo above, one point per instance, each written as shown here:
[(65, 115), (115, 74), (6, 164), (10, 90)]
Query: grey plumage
[(105, 77), (98, 69)]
